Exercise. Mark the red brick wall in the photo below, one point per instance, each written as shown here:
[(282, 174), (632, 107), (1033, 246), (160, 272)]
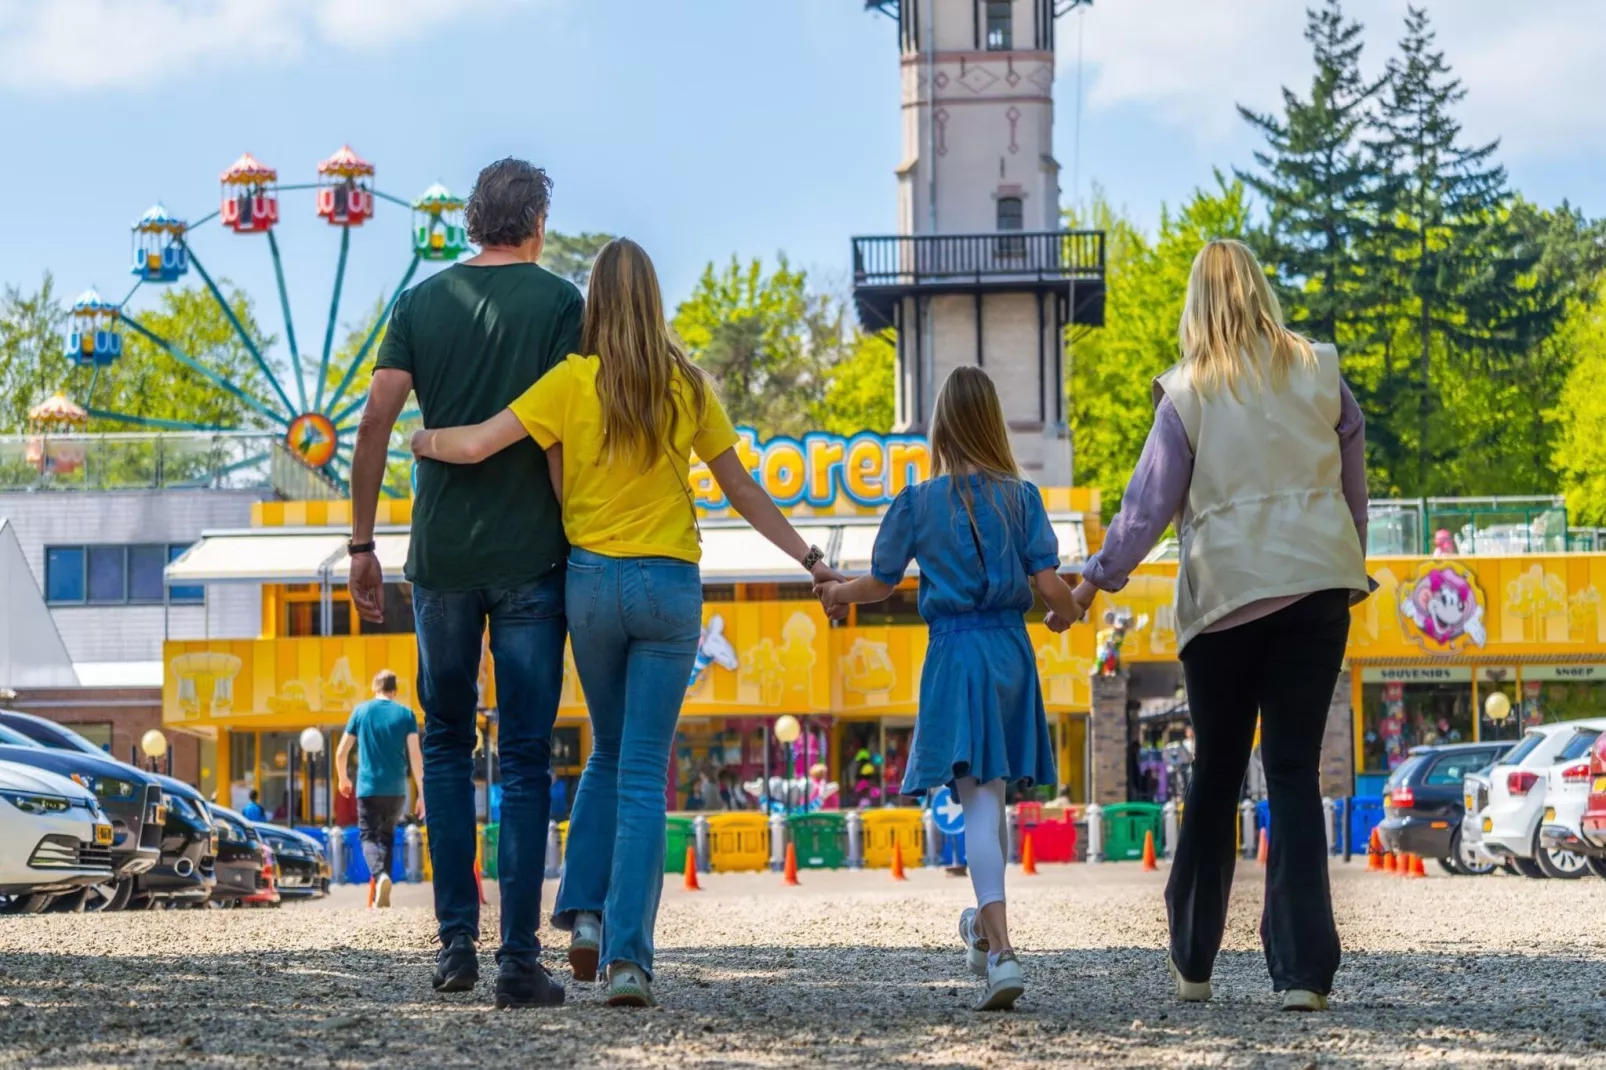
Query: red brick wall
[(130, 711)]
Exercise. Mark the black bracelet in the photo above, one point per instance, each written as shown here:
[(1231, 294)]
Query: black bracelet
[(355, 548)]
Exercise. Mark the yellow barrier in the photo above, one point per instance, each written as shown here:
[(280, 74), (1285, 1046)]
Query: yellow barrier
[(738, 842), (883, 828), (563, 839)]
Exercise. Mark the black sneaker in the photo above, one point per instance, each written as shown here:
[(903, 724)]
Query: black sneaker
[(457, 966), (520, 985)]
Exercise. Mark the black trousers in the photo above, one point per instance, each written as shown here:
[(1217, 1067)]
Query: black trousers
[(376, 827), (1283, 667)]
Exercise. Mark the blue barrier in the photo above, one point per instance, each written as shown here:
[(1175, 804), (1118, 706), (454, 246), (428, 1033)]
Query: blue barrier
[(953, 850), (1365, 814), (357, 865)]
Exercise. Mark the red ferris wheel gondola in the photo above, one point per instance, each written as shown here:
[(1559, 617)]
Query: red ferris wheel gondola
[(345, 189), (250, 196)]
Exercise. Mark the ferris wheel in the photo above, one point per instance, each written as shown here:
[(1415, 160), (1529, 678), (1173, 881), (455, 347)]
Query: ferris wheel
[(317, 426)]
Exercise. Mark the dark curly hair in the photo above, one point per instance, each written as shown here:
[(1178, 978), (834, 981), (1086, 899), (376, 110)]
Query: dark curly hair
[(509, 201)]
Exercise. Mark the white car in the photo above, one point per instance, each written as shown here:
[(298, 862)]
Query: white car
[(1517, 787), (1566, 798), (54, 838)]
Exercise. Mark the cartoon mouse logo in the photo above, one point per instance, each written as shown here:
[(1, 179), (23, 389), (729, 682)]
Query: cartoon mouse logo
[(712, 649), (1444, 608)]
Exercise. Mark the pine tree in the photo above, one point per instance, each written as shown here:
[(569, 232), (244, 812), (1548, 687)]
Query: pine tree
[(1316, 183)]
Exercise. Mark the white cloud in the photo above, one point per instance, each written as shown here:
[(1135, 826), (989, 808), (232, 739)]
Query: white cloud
[(94, 44), (1534, 72)]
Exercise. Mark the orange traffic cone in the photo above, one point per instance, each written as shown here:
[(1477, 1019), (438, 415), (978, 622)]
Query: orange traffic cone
[(1390, 863), (1264, 854), (1403, 866), (1415, 869), (1374, 852), (897, 861), (789, 875), (372, 882), (1148, 851), (1028, 855), (691, 870)]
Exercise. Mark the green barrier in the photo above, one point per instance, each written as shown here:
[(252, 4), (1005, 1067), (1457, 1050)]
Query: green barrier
[(490, 838), (1124, 827), (678, 835), (821, 840)]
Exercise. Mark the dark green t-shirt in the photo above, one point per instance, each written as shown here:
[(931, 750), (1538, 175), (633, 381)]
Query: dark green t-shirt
[(474, 339)]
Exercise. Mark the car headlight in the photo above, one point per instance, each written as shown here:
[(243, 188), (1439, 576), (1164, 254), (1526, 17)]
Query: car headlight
[(30, 803), (109, 788)]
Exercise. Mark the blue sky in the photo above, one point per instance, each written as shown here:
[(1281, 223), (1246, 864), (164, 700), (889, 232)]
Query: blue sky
[(700, 127)]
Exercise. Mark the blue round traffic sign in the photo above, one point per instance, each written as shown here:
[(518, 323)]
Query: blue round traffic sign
[(950, 816)]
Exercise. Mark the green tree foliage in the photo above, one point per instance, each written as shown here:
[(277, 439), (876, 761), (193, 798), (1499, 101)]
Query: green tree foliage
[(33, 361), (1580, 455), (1111, 370), (767, 341), (859, 390), (570, 255)]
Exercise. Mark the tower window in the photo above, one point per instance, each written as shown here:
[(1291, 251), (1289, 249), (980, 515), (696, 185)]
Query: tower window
[(1000, 25), (1011, 216)]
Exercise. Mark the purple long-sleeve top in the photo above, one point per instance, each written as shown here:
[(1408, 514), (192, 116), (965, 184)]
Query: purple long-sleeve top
[(1159, 487)]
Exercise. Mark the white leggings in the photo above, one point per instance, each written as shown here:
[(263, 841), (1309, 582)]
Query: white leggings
[(986, 837)]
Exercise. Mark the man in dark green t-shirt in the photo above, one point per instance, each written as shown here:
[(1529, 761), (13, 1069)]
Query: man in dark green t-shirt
[(487, 549)]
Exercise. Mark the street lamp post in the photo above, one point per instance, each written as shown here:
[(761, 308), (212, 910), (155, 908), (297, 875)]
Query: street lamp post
[(311, 746), (787, 730)]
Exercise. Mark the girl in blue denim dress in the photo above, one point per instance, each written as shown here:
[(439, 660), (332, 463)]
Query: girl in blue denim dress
[(981, 538)]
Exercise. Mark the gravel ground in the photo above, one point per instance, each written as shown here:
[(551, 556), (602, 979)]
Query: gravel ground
[(850, 970)]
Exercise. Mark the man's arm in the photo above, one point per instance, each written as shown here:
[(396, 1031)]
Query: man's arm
[(415, 758), (386, 396), (342, 755)]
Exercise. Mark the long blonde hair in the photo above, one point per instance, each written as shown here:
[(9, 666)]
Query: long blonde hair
[(968, 431), (642, 365), (1230, 317)]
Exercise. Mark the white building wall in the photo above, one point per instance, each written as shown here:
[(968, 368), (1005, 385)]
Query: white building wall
[(134, 633)]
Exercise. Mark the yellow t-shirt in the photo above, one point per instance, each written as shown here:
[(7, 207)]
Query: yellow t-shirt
[(618, 509)]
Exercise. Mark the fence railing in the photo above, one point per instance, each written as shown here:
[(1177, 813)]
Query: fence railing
[(910, 260), (1468, 526), (230, 460)]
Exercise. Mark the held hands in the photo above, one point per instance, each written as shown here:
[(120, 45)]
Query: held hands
[(1082, 597), (826, 581)]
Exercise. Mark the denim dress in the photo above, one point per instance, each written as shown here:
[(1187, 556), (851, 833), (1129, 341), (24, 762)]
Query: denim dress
[(981, 703)]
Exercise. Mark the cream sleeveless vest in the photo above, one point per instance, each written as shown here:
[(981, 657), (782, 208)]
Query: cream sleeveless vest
[(1265, 515)]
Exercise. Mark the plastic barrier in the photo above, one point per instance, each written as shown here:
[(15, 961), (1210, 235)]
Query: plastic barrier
[(883, 828), (738, 842), (678, 836), (821, 840), (1365, 814), (1124, 827), (490, 839), (1054, 841), (953, 850)]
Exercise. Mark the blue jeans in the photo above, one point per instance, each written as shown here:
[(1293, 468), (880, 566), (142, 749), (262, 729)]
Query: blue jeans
[(527, 632), (636, 623)]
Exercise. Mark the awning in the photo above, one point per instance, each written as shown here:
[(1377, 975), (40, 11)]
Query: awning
[(248, 557), (858, 542), (392, 553), (742, 555)]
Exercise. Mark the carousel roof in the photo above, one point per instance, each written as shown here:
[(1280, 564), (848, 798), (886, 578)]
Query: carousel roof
[(158, 219), (439, 198), (247, 171), (346, 164), (91, 301), (58, 409)]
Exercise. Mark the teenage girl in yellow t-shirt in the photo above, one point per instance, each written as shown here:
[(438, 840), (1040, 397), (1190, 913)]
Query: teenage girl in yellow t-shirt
[(628, 417)]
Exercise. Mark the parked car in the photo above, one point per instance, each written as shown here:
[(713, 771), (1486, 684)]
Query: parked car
[(183, 872), (239, 858), (1517, 787), (54, 838), (130, 798), (186, 873), (303, 871), (1423, 804), (1592, 817), (1474, 800)]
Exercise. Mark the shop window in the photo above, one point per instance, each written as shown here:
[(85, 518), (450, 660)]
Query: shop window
[(1546, 701), (98, 733), (114, 575), (1399, 716), (107, 569), (145, 565), (1000, 25), (64, 574), (301, 619)]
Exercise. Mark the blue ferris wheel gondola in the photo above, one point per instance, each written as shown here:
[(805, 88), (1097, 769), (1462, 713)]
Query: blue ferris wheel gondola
[(160, 254), (94, 340)]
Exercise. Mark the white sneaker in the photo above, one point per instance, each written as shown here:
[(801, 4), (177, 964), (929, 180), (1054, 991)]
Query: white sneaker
[(1005, 983), (382, 891), (975, 944), (628, 987), (585, 943), (1302, 999), (1188, 991)]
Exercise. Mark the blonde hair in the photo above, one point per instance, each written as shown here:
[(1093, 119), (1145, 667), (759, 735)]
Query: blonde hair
[(968, 431), (1230, 317), (641, 364)]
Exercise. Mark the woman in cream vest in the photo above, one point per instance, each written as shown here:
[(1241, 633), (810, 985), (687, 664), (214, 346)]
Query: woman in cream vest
[(1257, 455)]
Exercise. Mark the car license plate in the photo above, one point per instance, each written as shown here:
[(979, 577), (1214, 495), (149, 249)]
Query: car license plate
[(103, 835), (159, 815), (1550, 813), (1599, 785), (1488, 825)]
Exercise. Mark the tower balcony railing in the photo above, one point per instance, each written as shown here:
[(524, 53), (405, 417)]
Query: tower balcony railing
[(920, 259), (200, 460)]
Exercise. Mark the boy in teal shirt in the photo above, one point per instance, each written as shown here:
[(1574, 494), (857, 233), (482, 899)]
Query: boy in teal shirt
[(385, 734)]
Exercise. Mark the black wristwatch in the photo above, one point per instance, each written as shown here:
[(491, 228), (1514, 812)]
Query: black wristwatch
[(812, 558), (355, 548)]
